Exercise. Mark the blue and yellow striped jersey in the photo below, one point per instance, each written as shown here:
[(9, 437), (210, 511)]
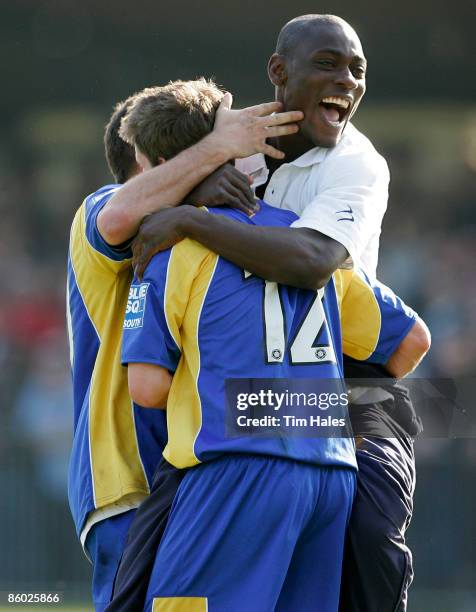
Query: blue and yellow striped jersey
[(207, 321), (116, 445)]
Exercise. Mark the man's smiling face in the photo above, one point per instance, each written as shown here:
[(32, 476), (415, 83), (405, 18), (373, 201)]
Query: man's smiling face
[(324, 76)]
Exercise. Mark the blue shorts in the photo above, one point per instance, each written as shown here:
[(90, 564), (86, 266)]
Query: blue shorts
[(254, 533), (105, 544)]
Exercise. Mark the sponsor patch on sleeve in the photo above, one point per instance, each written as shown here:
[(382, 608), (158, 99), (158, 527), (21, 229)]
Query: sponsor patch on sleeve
[(136, 306)]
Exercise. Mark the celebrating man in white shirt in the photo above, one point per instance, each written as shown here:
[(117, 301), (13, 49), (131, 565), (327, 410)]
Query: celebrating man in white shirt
[(332, 175), (337, 182)]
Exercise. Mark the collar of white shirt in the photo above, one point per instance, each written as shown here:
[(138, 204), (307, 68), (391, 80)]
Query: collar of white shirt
[(255, 165), (311, 157)]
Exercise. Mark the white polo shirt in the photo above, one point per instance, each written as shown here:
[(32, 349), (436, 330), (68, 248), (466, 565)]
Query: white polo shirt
[(341, 192)]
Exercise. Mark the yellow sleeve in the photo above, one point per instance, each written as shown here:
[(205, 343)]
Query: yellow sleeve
[(360, 314)]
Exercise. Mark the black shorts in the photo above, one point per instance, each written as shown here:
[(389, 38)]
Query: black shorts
[(378, 568)]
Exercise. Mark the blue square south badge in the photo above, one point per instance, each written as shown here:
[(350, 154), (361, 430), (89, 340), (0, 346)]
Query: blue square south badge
[(136, 306)]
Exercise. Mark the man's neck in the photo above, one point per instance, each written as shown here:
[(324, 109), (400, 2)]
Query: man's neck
[(293, 146)]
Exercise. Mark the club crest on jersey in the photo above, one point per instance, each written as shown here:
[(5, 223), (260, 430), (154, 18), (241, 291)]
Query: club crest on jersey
[(136, 306)]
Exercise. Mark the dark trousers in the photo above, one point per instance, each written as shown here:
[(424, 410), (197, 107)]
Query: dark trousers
[(377, 570), (145, 533)]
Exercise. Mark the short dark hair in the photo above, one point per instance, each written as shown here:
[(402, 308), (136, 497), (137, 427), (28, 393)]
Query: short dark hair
[(292, 32), (163, 121), (120, 155)]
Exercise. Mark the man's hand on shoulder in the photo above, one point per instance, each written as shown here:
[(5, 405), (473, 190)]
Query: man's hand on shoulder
[(159, 232)]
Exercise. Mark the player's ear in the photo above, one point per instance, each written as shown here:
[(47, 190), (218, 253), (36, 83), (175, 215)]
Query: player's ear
[(136, 169), (277, 70), (142, 159), (161, 161)]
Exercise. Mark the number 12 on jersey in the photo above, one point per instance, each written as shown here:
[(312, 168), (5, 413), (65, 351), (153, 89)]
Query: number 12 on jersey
[(301, 347)]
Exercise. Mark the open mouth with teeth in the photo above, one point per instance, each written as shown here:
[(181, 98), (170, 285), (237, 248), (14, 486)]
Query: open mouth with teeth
[(334, 109)]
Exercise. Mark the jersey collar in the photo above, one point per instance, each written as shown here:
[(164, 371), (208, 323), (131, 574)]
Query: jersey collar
[(310, 158)]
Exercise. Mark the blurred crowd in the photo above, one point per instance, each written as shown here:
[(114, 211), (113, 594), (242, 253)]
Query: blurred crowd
[(428, 255)]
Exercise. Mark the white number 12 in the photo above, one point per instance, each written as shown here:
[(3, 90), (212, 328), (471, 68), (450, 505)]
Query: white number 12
[(301, 349)]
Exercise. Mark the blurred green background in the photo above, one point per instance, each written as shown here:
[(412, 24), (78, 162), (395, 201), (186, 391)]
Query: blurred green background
[(64, 64)]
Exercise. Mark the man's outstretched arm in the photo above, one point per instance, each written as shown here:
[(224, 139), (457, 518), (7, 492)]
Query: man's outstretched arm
[(237, 133), (299, 257)]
